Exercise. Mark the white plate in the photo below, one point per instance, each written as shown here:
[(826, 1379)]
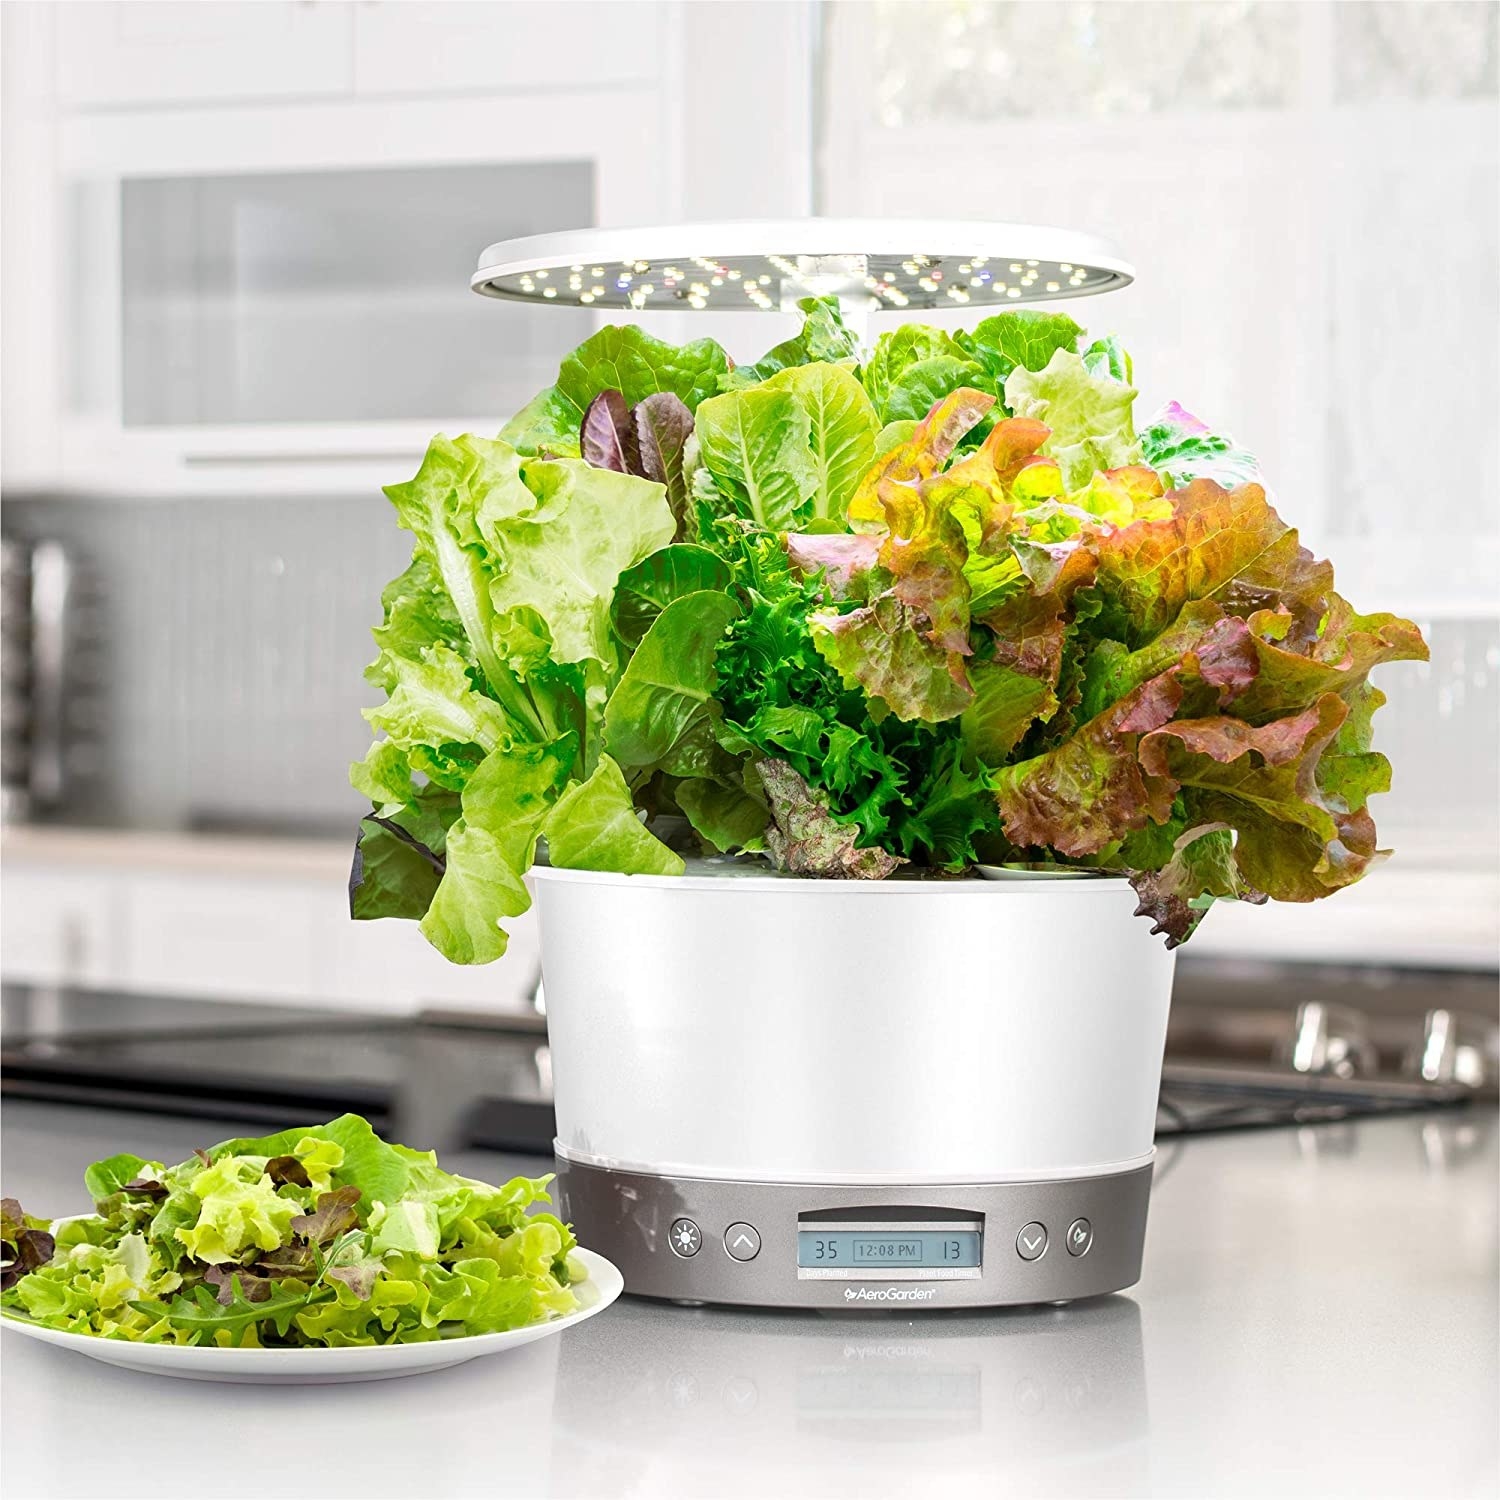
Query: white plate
[(327, 1366)]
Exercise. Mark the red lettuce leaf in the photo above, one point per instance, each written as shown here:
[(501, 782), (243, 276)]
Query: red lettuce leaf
[(1226, 545), (1085, 793), (1292, 841), (1200, 871), (882, 649)]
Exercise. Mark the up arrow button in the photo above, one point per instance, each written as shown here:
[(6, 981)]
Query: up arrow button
[(742, 1241)]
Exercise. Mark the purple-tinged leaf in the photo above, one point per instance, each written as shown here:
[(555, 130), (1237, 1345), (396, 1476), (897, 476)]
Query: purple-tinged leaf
[(661, 426), (284, 1169), (24, 1247), (607, 438), (333, 1215), (254, 1288), (841, 557), (806, 839)]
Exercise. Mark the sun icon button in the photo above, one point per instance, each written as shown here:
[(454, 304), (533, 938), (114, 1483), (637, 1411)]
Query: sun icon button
[(685, 1238)]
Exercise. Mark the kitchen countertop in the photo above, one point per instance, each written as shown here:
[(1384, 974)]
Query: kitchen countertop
[(1317, 1316)]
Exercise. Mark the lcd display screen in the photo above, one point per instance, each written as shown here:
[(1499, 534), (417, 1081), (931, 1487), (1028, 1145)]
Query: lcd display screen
[(874, 1250)]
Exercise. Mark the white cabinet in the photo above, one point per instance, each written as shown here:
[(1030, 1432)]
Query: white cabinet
[(442, 48), (252, 939), (254, 310), (228, 919), (30, 289), (148, 53), (61, 926)]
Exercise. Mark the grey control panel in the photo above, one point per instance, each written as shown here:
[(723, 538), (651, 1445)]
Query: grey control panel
[(811, 1245)]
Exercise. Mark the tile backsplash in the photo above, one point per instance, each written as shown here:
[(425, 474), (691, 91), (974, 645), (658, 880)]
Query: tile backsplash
[(228, 643), (231, 636)]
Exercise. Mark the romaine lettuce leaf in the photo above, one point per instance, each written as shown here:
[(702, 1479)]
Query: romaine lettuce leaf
[(757, 445), (842, 426), (822, 339)]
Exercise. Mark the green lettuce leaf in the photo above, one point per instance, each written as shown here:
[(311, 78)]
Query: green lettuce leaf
[(1026, 338), (1181, 448), (623, 359), (757, 446), (399, 857), (239, 1208), (822, 339), (105, 1178), (921, 384), (842, 427), (1107, 356), (1089, 414), (563, 560), (492, 846), (667, 688), (897, 351), (726, 818), (594, 827), (652, 584)]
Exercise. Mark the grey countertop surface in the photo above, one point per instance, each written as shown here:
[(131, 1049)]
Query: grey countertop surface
[(1317, 1316)]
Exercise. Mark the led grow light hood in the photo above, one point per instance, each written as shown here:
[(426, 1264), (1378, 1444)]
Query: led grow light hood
[(872, 265)]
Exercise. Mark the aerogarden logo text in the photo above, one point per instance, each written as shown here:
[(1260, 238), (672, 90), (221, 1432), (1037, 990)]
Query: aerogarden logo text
[(890, 1293)]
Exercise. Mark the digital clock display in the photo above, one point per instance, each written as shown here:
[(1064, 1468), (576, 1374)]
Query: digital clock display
[(849, 1249)]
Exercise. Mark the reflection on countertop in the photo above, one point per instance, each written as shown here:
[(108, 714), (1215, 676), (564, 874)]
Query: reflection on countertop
[(1317, 1316)]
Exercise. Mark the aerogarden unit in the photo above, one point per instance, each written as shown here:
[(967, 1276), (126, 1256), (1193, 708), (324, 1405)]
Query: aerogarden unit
[(875, 719)]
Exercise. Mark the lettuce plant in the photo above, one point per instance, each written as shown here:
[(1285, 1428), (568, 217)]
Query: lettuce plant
[(849, 613)]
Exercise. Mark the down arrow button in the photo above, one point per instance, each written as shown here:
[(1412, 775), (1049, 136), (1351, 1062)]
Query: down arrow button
[(1031, 1243)]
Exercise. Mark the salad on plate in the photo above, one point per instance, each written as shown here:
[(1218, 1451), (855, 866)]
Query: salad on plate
[(319, 1236)]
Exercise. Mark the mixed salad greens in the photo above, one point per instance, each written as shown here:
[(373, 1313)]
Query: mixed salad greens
[(320, 1236), (933, 604)]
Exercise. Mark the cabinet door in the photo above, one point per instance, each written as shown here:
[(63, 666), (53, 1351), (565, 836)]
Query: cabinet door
[(509, 44), (221, 937), (151, 53), (60, 926)]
